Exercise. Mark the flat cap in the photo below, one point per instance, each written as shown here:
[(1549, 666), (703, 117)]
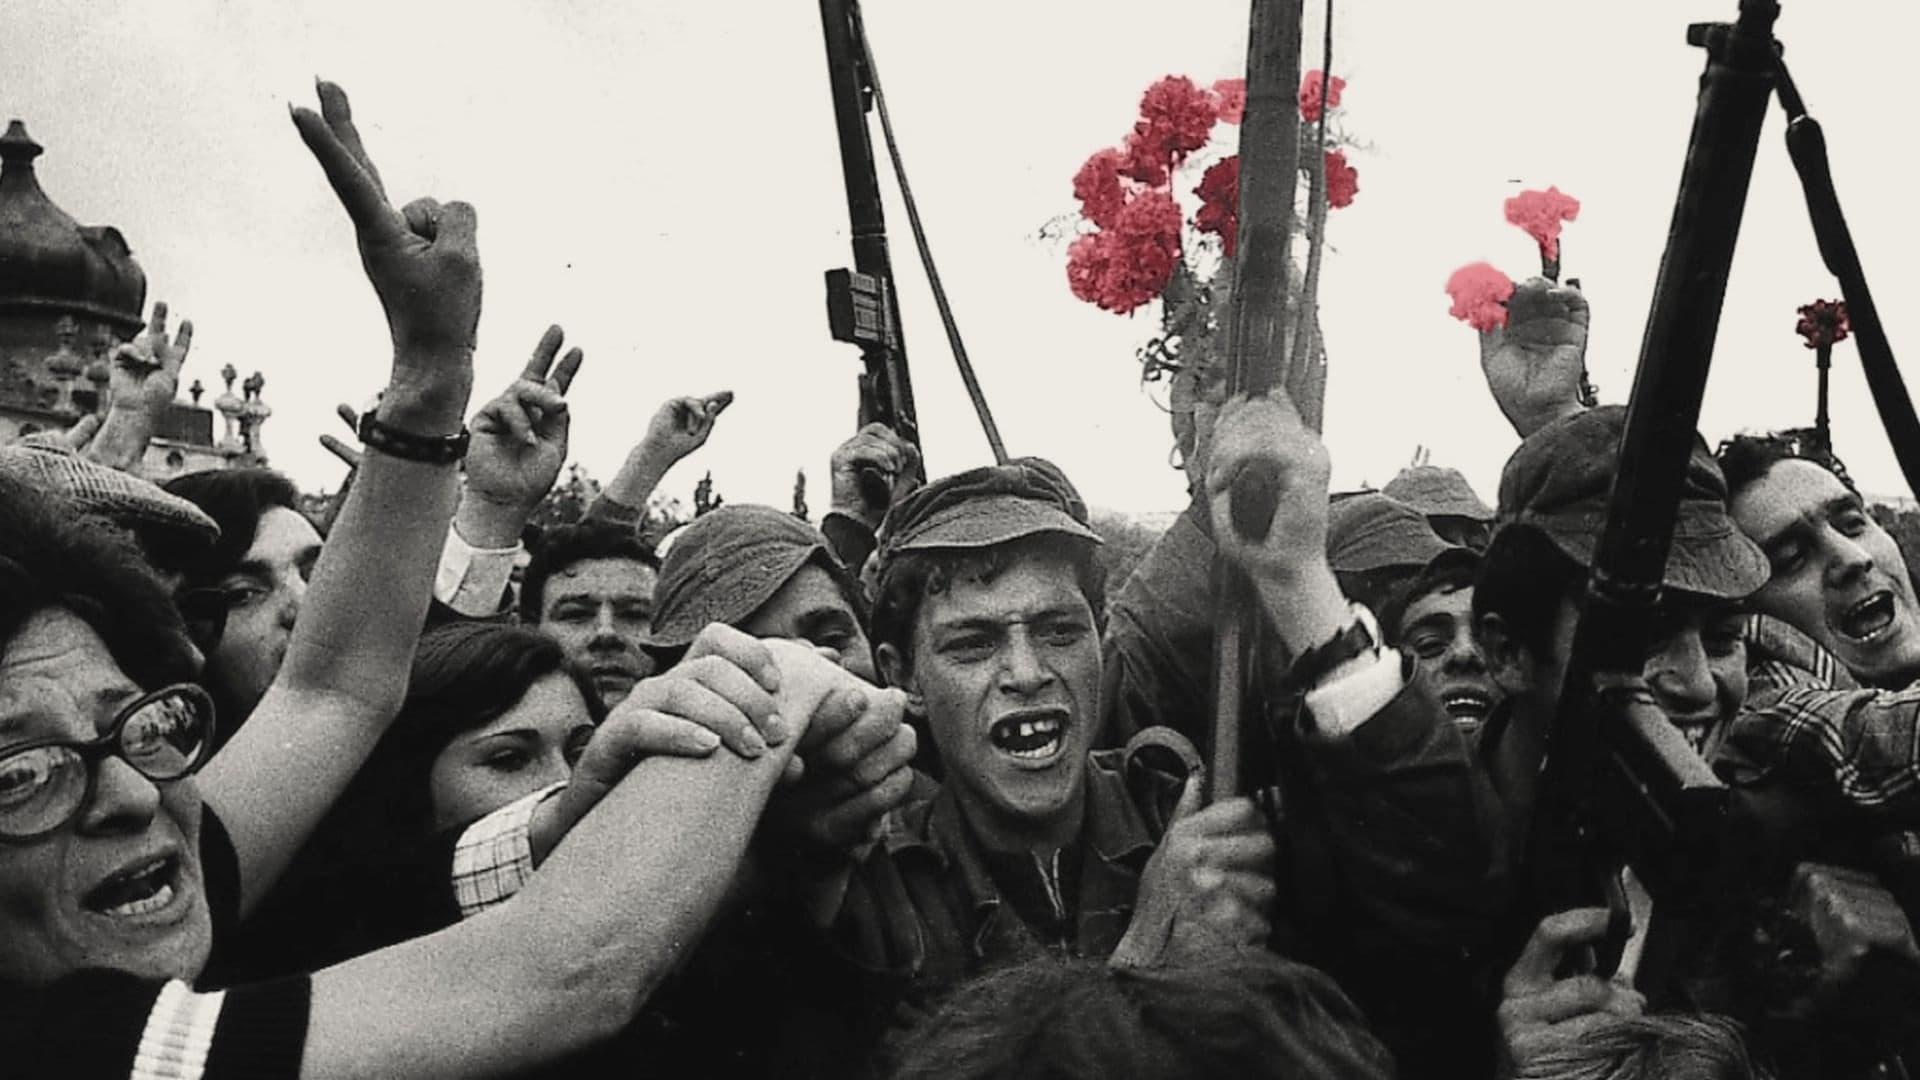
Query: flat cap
[(984, 507), (128, 501)]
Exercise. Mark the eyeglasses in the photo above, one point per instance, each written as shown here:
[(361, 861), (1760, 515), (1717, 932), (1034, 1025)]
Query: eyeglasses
[(164, 736)]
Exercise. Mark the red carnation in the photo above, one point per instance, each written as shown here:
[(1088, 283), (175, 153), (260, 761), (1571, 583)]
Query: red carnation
[(1143, 159), (1318, 92), (1823, 322), (1097, 186), (1231, 99), (1480, 292), (1124, 267), (1219, 193), (1176, 117), (1343, 180), (1540, 214)]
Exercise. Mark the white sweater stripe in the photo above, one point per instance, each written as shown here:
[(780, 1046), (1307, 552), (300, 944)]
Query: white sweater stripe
[(179, 1034)]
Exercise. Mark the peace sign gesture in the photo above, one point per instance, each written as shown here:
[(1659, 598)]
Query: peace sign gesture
[(422, 260), (145, 376), (146, 370), (520, 437)]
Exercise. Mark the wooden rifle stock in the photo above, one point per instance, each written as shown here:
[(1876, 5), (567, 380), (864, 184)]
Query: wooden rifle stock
[(1596, 747)]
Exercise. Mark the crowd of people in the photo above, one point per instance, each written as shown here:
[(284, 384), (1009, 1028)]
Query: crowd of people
[(917, 792)]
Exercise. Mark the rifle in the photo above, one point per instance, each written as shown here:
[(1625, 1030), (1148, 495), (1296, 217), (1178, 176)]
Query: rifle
[(1619, 786), (1256, 358), (861, 306)]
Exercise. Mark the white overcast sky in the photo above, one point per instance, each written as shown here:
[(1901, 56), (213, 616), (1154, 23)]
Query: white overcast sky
[(661, 178)]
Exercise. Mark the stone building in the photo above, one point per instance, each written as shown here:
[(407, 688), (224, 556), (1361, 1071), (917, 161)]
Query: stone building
[(70, 293)]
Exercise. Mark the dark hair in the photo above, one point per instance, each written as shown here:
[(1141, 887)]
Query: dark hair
[(50, 558), (565, 545), (377, 832), (1746, 459), (1523, 578), (235, 499), (913, 576), (1252, 1015), (1448, 573), (465, 674)]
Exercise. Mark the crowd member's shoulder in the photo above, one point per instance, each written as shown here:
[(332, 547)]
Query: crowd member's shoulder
[(109, 1024)]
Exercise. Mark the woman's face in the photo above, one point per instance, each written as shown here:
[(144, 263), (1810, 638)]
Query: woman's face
[(522, 750), (120, 885)]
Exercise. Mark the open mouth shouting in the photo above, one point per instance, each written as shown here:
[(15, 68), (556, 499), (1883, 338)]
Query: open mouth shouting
[(140, 890), (1467, 704), (1867, 622), (1033, 738)]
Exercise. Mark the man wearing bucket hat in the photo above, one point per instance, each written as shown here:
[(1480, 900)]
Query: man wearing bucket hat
[(1553, 504), (763, 571), (1553, 496)]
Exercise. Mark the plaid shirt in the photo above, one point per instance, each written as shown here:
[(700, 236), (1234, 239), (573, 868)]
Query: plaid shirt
[(1781, 658), (493, 859), (1853, 753)]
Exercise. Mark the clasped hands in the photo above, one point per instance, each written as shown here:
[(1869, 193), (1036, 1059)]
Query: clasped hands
[(848, 740)]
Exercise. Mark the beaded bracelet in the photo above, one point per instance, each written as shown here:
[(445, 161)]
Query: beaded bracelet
[(393, 442)]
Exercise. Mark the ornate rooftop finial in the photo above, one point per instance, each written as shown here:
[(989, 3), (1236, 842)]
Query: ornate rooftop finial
[(17, 148)]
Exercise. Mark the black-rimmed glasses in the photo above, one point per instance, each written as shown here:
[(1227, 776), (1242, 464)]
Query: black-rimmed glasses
[(164, 736)]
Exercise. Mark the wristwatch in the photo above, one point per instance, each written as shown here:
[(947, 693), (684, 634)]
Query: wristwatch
[(1351, 643), (393, 442)]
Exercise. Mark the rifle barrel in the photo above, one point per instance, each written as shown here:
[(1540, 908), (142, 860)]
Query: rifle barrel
[(1269, 166)]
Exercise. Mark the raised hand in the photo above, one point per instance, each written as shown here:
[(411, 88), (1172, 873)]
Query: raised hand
[(146, 370), (519, 445), (678, 428), (682, 425), (874, 449), (1288, 568), (422, 261), (338, 448), (1269, 429), (1535, 366), (145, 377)]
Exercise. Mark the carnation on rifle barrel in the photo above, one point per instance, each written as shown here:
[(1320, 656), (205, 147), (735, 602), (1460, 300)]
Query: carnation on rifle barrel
[(1541, 213), (1318, 93), (1122, 268), (1823, 322), (1343, 180), (1480, 293), (1219, 193), (1176, 117), (1097, 186), (1230, 99)]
